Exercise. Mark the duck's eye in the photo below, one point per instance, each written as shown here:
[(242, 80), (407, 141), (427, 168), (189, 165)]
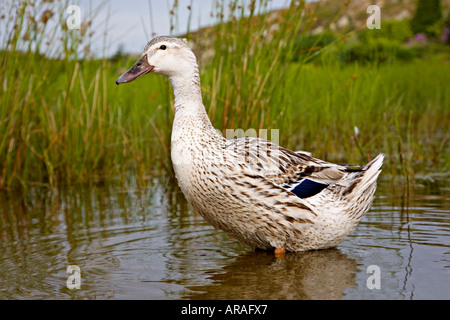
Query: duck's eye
[(163, 47)]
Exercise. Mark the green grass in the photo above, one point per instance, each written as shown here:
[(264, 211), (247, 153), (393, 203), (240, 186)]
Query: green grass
[(406, 103), (63, 120)]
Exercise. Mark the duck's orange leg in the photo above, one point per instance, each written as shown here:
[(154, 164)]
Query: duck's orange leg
[(280, 252)]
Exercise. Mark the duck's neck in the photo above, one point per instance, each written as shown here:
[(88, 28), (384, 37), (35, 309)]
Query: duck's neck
[(187, 92), (190, 114)]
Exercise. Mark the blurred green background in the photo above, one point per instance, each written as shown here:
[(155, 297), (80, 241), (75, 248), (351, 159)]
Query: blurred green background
[(313, 70)]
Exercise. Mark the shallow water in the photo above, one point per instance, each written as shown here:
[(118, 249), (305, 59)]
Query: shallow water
[(145, 243)]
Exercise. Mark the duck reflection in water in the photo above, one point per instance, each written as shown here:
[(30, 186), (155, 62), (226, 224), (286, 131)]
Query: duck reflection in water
[(322, 274)]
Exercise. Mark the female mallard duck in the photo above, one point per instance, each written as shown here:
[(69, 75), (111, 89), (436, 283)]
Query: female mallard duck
[(267, 196)]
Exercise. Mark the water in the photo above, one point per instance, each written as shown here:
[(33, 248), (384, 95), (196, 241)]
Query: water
[(145, 243)]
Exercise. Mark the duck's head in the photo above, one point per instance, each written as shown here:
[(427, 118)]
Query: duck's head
[(164, 55)]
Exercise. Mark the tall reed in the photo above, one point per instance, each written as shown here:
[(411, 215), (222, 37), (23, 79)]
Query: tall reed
[(244, 61), (253, 77), (63, 119)]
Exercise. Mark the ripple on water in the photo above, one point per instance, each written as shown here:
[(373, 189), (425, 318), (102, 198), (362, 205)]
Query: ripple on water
[(148, 244)]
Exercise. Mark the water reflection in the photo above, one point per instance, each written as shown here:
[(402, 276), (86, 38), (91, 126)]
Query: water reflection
[(45, 231), (259, 275), (145, 243)]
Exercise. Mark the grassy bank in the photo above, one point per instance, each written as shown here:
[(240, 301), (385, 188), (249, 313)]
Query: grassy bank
[(63, 119), (352, 113)]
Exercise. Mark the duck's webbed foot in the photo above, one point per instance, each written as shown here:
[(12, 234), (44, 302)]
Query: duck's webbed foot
[(280, 252)]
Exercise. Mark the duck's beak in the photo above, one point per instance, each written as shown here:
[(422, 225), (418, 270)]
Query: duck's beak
[(140, 68)]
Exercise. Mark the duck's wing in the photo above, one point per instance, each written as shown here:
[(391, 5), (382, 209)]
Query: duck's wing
[(297, 172)]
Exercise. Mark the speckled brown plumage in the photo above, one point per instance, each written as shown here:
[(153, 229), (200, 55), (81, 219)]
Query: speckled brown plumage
[(264, 195)]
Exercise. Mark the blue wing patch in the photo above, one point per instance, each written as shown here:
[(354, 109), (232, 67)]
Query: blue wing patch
[(308, 188)]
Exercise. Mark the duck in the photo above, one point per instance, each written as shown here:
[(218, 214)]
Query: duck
[(266, 196)]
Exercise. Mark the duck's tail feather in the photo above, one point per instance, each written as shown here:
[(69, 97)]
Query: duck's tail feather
[(361, 185), (370, 172)]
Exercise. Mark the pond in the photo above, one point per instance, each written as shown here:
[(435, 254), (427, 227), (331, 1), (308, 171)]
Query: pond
[(146, 243)]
